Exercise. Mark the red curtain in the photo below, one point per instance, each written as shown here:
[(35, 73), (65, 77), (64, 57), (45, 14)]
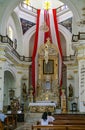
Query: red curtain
[(35, 50), (59, 47), (46, 35)]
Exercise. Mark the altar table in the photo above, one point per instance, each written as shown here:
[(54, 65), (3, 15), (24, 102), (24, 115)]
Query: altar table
[(42, 106)]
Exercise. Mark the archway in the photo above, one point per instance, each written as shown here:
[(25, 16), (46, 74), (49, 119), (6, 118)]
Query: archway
[(9, 84)]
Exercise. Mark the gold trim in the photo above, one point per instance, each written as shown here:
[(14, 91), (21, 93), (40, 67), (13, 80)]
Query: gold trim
[(19, 72), (3, 59), (82, 47), (75, 71), (81, 58), (2, 49), (17, 64)]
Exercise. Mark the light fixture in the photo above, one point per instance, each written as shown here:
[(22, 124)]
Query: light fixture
[(27, 2), (47, 4)]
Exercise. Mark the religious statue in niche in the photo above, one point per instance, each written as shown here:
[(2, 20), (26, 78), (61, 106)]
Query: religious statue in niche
[(24, 92), (46, 53), (11, 94), (70, 90)]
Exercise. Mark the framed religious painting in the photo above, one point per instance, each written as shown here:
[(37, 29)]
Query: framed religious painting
[(48, 68)]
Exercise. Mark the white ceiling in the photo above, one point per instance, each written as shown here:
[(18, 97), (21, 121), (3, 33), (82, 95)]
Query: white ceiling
[(39, 3)]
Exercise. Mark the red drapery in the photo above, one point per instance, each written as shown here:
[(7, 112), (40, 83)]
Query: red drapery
[(47, 21), (47, 34), (59, 46), (34, 51)]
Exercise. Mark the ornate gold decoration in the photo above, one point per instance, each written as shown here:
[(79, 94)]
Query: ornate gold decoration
[(47, 85), (41, 108)]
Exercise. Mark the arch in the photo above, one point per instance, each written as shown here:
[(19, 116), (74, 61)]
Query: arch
[(67, 35), (8, 76), (29, 33), (73, 8), (19, 32), (9, 6), (12, 4), (11, 71), (26, 39)]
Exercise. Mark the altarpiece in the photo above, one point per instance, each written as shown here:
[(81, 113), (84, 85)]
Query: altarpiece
[(47, 90)]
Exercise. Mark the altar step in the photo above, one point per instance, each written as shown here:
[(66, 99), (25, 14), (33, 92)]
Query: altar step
[(32, 118)]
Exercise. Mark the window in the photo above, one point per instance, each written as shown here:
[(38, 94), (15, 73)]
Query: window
[(10, 32)]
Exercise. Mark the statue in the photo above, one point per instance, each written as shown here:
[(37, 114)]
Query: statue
[(70, 91), (24, 91), (15, 105), (46, 53)]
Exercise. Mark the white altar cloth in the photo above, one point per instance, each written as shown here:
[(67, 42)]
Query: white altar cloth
[(42, 104)]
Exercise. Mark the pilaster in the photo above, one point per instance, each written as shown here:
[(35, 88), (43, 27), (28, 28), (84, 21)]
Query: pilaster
[(2, 63)]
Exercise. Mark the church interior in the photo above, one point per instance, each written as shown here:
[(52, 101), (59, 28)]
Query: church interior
[(42, 63)]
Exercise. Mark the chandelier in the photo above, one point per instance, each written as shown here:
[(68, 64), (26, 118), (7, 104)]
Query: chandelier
[(47, 4)]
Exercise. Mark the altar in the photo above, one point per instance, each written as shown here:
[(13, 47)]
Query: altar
[(42, 106), (47, 95)]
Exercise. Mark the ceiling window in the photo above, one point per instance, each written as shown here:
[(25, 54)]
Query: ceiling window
[(27, 4), (10, 32)]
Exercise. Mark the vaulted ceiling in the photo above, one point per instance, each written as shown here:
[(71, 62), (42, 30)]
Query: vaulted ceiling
[(40, 3)]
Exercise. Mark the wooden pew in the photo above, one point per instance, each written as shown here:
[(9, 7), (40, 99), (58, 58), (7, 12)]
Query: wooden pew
[(78, 127), (69, 122), (1, 126), (69, 116), (6, 124), (58, 127), (65, 122), (49, 127)]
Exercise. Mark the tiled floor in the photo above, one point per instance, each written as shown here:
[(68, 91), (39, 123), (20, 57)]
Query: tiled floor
[(30, 119), (24, 126)]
